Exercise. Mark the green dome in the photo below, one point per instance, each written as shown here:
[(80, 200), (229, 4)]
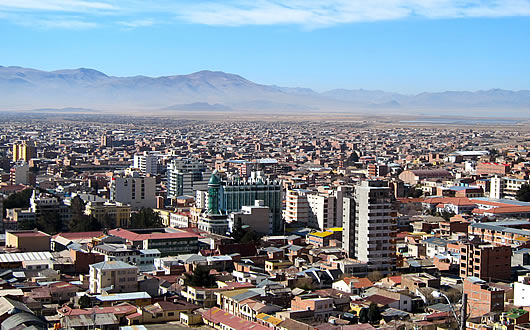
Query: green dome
[(214, 179)]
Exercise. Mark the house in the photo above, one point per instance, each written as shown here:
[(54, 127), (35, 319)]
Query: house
[(354, 285), (113, 276), (161, 312), (322, 307), (219, 319)]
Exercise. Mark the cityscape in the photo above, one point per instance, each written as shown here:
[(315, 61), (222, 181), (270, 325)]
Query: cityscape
[(264, 165)]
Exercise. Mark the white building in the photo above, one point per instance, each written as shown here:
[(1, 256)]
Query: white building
[(505, 187), (521, 292), (147, 163), (113, 277), (296, 206), (322, 211), (369, 225), (177, 220), (133, 189), (186, 176)]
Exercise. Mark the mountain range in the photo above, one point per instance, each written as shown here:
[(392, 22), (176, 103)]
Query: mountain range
[(25, 89)]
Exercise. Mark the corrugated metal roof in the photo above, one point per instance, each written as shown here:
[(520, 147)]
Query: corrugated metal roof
[(24, 256)]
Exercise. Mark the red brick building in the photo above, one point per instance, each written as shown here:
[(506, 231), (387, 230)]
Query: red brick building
[(492, 169), (482, 298), (485, 261)]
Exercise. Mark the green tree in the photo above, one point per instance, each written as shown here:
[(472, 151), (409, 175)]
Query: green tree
[(49, 222), (238, 232), (363, 316), (446, 215), (109, 222), (18, 200), (146, 218), (201, 277), (374, 315), (523, 194), (84, 223), (85, 302)]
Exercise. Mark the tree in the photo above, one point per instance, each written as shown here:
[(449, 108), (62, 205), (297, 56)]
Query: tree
[(363, 316), (375, 276), (84, 223), (374, 315), (244, 235), (146, 218), (49, 222), (85, 302), (446, 215), (18, 200), (201, 277), (238, 232), (523, 194), (109, 222)]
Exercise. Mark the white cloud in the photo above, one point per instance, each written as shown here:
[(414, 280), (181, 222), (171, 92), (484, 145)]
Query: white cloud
[(137, 23), (306, 13), (55, 5), (332, 12)]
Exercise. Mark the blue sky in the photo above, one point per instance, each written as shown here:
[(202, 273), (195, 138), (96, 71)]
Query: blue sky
[(395, 45)]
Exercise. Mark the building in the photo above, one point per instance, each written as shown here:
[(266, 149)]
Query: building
[(147, 163), (482, 298), (257, 217), (485, 261), (513, 233), (235, 194), (186, 176), (24, 151), (505, 187), (369, 225), (322, 307), (322, 211), (127, 253), (413, 177), (377, 170), (214, 220), (134, 189), (296, 206), (117, 212), (521, 291), (21, 173), (107, 140), (113, 276), (168, 243), (492, 169), (28, 240), (44, 204)]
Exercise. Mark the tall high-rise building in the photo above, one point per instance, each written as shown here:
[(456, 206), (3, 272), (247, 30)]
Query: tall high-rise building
[(186, 176), (147, 163), (106, 140), (296, 206), (237, 193), (21, 174), (24, 151), (369, 225)]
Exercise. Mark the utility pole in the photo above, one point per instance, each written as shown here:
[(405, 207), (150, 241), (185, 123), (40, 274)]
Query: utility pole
[(463, 312)]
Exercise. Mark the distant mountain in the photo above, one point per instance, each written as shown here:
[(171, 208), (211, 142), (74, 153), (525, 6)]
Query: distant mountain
[(198, 106), (23, 89)]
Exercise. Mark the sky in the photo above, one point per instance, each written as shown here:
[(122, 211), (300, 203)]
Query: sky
[(407, 46)]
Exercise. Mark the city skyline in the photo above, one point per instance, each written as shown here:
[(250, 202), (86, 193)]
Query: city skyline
[(397, 46)]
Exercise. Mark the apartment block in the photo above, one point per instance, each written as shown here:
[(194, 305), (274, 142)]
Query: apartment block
[(369, 225), (113, 277), (482, 298), (485, 261)]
